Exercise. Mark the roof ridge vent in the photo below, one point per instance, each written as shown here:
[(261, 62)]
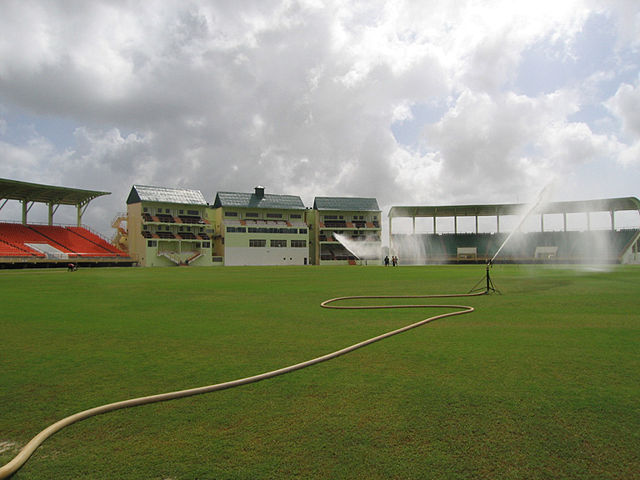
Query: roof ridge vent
[(259, 191)]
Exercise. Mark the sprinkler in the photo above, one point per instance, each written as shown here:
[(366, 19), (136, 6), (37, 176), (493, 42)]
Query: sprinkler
[(489, 288)]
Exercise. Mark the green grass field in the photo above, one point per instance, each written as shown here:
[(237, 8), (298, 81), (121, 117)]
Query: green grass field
[(542, 381)]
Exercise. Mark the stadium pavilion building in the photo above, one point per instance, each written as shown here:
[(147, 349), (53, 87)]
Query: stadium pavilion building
[(356, 219), (27, 244), (176, 226), (260, 229), (610, 245), (168, 226)]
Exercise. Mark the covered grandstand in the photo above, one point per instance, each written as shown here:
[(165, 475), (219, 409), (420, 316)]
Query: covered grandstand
[(27, 244), (610, 245)]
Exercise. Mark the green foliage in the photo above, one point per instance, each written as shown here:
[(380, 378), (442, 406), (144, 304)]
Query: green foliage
[(540, 382)]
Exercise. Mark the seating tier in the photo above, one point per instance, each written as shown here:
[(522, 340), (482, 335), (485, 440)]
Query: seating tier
[(73, 241)]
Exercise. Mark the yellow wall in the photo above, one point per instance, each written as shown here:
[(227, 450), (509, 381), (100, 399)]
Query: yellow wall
[(137, 244)]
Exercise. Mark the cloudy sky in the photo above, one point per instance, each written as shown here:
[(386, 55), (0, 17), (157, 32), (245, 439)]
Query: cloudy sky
[(411, 102)]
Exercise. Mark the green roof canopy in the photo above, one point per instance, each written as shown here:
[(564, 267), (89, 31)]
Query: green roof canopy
[(34, 192), (600, 205), (259, 199), (30, 193), (350, 204)]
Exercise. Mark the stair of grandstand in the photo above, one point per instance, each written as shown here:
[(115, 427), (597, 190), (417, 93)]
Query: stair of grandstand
[(75, 240), (19, 240), (335, 224), (572, 246), (7, 249), (165, 218), (190, 219), (98, 241), (187, 236), (335, 252), (24, 236)]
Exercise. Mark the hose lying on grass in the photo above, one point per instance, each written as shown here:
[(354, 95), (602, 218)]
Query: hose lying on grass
[(22, 457)]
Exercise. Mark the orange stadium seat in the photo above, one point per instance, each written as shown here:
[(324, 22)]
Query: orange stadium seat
[(73, 241)]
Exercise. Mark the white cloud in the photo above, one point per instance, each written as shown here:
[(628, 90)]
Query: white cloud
[(625, 104), (630, 156), (497, 145), (301, 96)]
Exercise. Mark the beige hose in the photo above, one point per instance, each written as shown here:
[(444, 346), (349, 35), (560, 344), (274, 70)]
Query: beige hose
[(22, 457)]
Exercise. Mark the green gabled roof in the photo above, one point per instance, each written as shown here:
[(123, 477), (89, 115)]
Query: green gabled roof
[(36, 192), (183, 196), (252, 200), (350, 204)]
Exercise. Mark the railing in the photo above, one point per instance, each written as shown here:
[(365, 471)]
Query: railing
[(171, 256)]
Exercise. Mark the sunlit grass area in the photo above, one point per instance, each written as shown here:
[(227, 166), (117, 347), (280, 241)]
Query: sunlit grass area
[(541, 381)]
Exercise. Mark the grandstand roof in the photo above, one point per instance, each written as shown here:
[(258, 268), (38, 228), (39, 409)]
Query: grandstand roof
[(183, 196), (352, 204), (599, 205), (257, 200), (39, 193)]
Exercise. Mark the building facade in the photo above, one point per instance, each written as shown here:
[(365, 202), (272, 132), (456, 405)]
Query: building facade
[(259, 229), (345, 230), (168, 226)]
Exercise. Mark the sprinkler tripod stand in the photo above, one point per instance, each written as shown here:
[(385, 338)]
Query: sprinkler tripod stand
[(489, 283)]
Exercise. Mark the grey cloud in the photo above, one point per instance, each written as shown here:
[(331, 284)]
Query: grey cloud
[(498, 145), (298, 96)]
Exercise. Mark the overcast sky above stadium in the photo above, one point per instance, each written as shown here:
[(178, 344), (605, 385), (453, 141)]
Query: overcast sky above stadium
[(416, 102)]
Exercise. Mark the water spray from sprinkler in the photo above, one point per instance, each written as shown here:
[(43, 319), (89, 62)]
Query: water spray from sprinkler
[(543, 197), (369, 249)]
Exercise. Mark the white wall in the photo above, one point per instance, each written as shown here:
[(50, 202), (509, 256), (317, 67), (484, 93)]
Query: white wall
[(265, 256)]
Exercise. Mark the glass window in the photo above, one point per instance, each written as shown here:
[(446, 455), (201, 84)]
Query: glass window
[(230, 214), (298, 243), (274, 215), (255, 242), (278, 243)]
